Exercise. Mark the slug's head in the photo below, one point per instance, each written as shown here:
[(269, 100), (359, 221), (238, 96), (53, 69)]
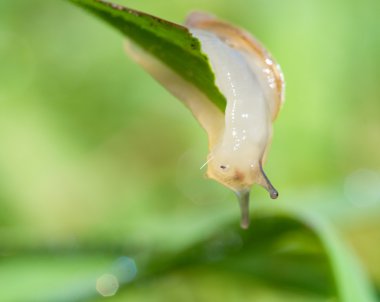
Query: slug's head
[(238, 173)]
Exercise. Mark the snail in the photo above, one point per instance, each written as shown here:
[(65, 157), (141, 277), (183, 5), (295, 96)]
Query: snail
[(253, 85)]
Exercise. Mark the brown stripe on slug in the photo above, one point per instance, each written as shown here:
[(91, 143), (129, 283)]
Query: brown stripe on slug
[(239, 176)]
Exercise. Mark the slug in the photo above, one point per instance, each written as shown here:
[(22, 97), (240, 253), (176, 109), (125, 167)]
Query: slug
[(253, 85)]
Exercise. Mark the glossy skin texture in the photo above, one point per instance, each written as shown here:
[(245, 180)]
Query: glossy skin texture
[(235, 158), (252, 83)]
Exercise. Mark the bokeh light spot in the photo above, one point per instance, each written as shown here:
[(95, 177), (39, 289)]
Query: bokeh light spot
[(107, 285), (125, 269)]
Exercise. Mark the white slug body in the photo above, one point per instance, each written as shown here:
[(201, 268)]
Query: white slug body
[(248, 126), (253, 86)]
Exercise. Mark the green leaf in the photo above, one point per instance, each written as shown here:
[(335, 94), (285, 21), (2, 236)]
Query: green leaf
[(350, 281), (171, 43), (293, 254), (292, 249)]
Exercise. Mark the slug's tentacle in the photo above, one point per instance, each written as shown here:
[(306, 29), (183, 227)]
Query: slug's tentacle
[(243, 198), (265, 182)]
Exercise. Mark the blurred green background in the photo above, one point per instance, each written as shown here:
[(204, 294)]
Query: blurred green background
[(98, 161)]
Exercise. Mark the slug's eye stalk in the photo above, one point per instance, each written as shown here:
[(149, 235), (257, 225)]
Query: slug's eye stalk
[(265, 182), (243, 197)]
